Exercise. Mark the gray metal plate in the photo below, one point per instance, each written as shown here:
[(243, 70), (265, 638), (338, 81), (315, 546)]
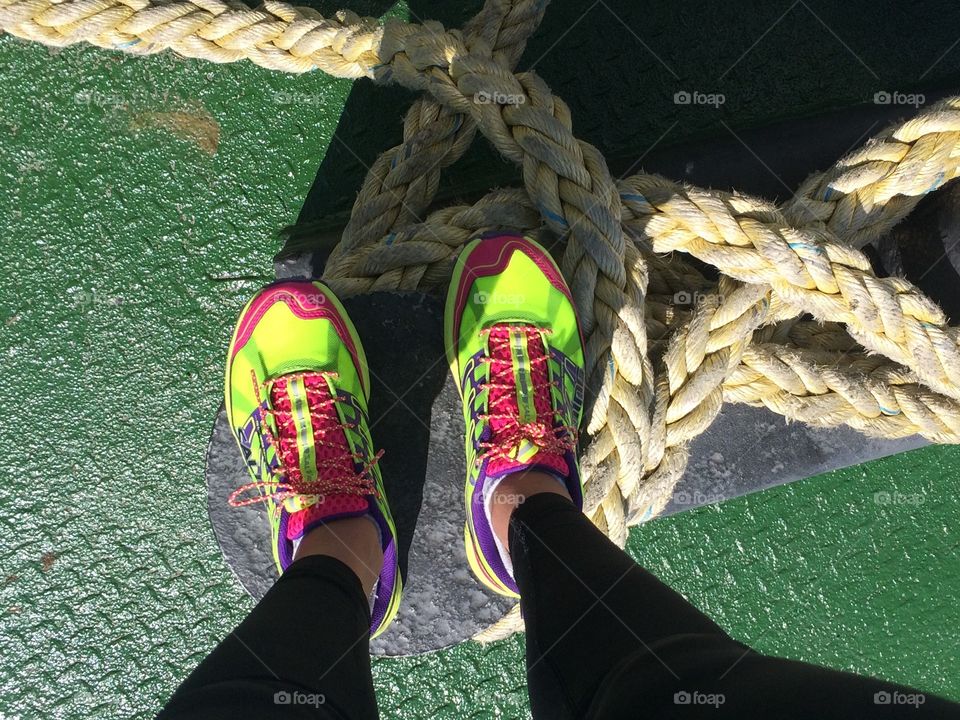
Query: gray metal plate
[(748, 449)]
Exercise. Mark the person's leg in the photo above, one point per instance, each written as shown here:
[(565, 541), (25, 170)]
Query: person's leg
[(296, 395), (304, 650), (605, 637), (586, 604)]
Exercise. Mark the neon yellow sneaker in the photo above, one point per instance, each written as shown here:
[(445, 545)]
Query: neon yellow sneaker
[(297, 387), (515, 348)]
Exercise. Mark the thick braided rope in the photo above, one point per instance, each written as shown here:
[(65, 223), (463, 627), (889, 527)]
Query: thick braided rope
[(276, 35), (872, 395), (873, 188), (569, 183), (872, 339), (403, 181), (566, 179), (805, 267)]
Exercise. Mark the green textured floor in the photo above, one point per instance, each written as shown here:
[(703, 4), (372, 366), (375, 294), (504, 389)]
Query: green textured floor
[(139, 205)]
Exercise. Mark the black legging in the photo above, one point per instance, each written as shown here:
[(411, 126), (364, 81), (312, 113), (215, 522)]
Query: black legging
[(605, 639)]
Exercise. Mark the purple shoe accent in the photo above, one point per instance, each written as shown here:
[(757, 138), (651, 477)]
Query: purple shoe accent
[(574, 486), (284, 546), (388, 571), (484, 533)]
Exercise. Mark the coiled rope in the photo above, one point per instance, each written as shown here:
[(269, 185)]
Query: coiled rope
[(798, 322)]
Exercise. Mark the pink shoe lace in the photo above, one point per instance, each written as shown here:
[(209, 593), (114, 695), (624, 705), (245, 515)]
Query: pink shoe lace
[(506, 430), (340, 487)]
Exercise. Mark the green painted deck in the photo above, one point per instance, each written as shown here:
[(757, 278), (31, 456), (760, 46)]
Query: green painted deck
[(140, 200)]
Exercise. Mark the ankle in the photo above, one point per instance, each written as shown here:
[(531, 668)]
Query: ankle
[(513, 491), (354, 541)]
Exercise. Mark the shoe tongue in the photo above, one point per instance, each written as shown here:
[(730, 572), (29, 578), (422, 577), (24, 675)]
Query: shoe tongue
[(520, 396), (312, 446)]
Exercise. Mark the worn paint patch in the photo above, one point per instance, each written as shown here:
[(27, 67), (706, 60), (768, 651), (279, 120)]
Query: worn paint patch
[(47, 560), (195, 125)]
